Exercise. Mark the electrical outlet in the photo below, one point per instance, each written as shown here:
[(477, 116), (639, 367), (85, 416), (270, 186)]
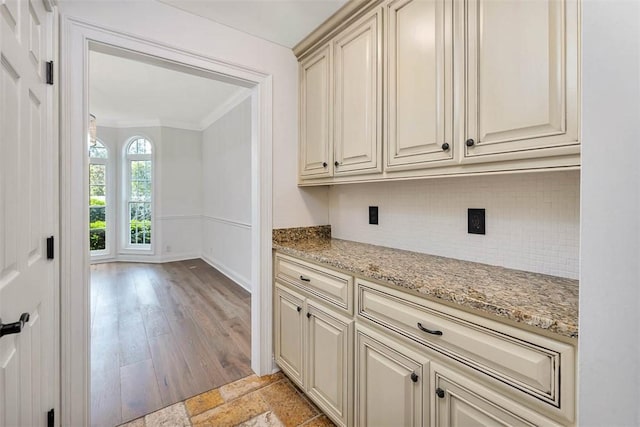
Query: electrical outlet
[(373, 215), (168, 249), (476, 221)]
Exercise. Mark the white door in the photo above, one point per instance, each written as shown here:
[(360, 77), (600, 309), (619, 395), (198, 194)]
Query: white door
[(28, 204)]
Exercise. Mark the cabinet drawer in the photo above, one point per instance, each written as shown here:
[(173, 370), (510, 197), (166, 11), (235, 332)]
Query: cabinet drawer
[(523, 360), (331, 286)]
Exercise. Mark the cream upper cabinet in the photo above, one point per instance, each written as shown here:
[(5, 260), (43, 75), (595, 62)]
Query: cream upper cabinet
[(418, 83), (316, 99), (522, 82), (329, 356), (390, 382), (399, 89), (358, 92)]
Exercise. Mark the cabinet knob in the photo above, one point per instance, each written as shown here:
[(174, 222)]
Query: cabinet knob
[(445, 146), (440, 393), (308, 315), (299, 309), (324, 164), (470, 142), (414, 377), (336, 163)]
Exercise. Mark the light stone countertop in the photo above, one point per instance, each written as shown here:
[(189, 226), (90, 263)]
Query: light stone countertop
[(541, 301)]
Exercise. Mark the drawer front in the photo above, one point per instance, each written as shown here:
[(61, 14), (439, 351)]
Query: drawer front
[(331, 286), (520, 363)]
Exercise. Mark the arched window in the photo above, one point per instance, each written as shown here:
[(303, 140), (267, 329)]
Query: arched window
[(138, 192), (98, 198)]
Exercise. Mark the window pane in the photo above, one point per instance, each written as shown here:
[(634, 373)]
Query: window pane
[(139, 146), (98, 151), (97, 213), (97, 201), (140, 223), (97, 174), (97, 241), (141, 191), (97, 191), (141, 170)]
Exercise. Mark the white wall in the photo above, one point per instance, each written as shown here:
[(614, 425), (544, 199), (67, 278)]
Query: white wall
[(179, 185), (609, 353), (156, 21), (177, 190), (226, 199), (532, 220)]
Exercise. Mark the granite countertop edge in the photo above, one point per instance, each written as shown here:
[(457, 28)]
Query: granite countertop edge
[(556, 326)]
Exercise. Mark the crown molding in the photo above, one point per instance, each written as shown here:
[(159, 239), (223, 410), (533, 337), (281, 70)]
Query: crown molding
[(211, 118), (223, 109)]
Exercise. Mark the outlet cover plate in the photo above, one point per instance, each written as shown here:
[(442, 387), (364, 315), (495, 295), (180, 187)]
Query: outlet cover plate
[(476, 221), (373, 215)]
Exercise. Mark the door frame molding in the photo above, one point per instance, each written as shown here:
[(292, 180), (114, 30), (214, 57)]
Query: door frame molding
[(77, 38)]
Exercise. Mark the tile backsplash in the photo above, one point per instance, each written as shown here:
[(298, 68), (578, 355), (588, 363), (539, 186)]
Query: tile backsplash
[(532, 219)]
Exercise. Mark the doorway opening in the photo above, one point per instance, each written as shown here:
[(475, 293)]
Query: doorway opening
[(169, 196), (77, 39)]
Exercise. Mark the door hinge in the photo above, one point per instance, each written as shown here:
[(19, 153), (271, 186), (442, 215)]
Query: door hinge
[(50, 247), (51, 418), (50, 72)]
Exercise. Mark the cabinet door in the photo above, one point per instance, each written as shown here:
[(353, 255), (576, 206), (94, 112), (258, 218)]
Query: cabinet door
[(289, 327), (522, 79), (389, 383), (329, 355), (358, 90), (419, 83), (316, 156), (459, 402)]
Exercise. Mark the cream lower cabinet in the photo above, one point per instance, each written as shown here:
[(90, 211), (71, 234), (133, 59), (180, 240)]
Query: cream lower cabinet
[(329, 360), (403, 360), (458, 401), (289, 329), (390, 382), (314, 347)]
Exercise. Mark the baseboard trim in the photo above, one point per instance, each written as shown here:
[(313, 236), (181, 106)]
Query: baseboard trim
[(150, 259), (233, 276)]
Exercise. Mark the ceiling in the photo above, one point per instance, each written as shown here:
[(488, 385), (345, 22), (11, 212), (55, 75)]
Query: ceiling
[(127, 92), (285, 22)]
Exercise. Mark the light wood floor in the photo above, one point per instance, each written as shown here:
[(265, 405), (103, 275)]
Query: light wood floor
[(161, 333)]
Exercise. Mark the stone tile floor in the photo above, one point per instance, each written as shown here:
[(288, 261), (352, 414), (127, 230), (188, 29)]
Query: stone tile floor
[(268, 401)]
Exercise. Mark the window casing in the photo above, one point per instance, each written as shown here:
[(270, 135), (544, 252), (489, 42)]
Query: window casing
[(138, 192)]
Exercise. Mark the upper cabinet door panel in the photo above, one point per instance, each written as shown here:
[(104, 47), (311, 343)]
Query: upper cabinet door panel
[(522, 76), (358, 90), (315, 106), (419, 83)]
